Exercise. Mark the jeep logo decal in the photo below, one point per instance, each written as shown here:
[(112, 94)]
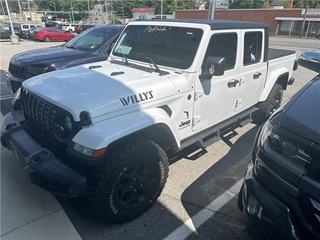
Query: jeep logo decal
[(141, 97)]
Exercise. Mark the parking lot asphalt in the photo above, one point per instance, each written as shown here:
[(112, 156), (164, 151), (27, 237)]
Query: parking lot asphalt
[(199, 200)]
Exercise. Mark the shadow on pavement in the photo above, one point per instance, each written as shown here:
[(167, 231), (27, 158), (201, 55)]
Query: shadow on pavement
[(213, 183)]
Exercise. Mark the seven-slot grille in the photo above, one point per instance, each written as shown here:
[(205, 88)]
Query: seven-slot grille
[(39, 117), (17, 70)]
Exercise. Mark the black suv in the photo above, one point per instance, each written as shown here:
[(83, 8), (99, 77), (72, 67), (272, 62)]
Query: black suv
[(91, 46), (5, 31), (280, 196)]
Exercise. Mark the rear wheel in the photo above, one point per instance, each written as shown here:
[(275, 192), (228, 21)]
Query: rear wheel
[(47, 39), (129, 182), (271, 104)]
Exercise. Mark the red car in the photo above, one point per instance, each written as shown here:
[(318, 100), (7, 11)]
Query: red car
[(52, 34)]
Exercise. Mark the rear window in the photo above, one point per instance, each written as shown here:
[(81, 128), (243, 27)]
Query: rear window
[(25, 26)]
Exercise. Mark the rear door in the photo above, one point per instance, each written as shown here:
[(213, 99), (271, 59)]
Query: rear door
[(253, 68)]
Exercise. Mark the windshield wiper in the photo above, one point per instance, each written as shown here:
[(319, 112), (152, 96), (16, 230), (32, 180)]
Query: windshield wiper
[(125, 59), (157, 69)]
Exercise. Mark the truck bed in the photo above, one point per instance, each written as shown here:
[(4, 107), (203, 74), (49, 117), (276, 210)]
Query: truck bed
[(276, 53)]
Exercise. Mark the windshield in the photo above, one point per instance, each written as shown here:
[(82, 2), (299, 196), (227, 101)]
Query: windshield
[(173, 47), (92, 39)]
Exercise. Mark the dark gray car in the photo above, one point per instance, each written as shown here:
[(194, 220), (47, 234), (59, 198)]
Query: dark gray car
[(5, 31)]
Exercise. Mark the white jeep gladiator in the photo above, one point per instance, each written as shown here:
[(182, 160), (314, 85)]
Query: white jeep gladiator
[(107, 130)]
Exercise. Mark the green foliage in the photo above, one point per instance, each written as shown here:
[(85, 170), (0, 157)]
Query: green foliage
[(13, 6), (299, 4), (245, 4)]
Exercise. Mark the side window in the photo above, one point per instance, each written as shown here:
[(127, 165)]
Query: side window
[(25, 26), (32, 26), (223, 45), (252, 48)]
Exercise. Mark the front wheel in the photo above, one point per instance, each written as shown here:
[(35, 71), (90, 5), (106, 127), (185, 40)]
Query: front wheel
[(129, 182), (271, 104)]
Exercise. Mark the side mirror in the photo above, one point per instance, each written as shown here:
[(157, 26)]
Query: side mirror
[(310, 60), (214, 66)]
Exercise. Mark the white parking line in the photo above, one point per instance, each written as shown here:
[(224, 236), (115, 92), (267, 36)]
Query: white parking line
[(191, 225), (6, 98)]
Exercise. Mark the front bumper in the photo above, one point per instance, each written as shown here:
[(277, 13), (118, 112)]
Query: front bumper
[(272, 219), (44, 168)]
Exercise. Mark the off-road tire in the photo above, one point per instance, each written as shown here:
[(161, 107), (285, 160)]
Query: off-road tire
[(129, 182), (46, 39), (271, 104)]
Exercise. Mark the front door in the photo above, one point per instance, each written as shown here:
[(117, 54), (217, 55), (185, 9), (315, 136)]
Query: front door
[(253, 69), (215, 98)]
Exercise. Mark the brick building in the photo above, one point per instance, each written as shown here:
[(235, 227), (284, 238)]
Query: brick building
[(280, 21)]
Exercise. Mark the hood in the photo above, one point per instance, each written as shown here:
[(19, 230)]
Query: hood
[(52, 55), (101, 88), (302, 116)]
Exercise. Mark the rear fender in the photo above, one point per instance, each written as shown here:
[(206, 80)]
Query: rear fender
[(277, 75)]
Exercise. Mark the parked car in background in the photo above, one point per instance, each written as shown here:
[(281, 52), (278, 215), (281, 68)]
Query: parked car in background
[(90, 46), (83, 27), (5, 31), (69, 27), (25, 27), (53, 24), (52, 34), (31, 31), (280, 196)]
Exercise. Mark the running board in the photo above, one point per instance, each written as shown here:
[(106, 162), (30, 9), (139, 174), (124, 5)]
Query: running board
[(213, 134)]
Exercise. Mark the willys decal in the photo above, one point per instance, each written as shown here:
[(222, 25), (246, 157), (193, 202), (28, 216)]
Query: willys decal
[(136, 98)]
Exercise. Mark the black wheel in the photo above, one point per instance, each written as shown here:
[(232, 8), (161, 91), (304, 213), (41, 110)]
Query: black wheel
[(70, 30), (47, 39), (271, 104), (129, 182)]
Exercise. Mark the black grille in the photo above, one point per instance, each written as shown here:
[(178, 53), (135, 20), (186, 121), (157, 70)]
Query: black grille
[(39, 117), (17, 70)]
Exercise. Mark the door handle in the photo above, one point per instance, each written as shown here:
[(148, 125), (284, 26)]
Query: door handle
[(257, 75), (233, 83)]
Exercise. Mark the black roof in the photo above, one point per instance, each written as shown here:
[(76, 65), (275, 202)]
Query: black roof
[(216, 24)]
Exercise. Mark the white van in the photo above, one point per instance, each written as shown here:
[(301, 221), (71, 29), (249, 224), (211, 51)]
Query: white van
[(25, 27)]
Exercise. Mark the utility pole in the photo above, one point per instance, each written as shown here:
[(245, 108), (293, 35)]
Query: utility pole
[(123, 20), (29, 10), (89, 10), (304, 20), (14, 38), (20, 10), (106, 8), (212, 7), (161, 8), (4, 12)]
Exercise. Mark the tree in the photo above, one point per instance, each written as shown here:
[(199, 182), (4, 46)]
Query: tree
[(169, 6)]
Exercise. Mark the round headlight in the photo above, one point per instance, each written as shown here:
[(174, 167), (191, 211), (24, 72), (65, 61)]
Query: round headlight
[(62, 125), (68, 123)]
